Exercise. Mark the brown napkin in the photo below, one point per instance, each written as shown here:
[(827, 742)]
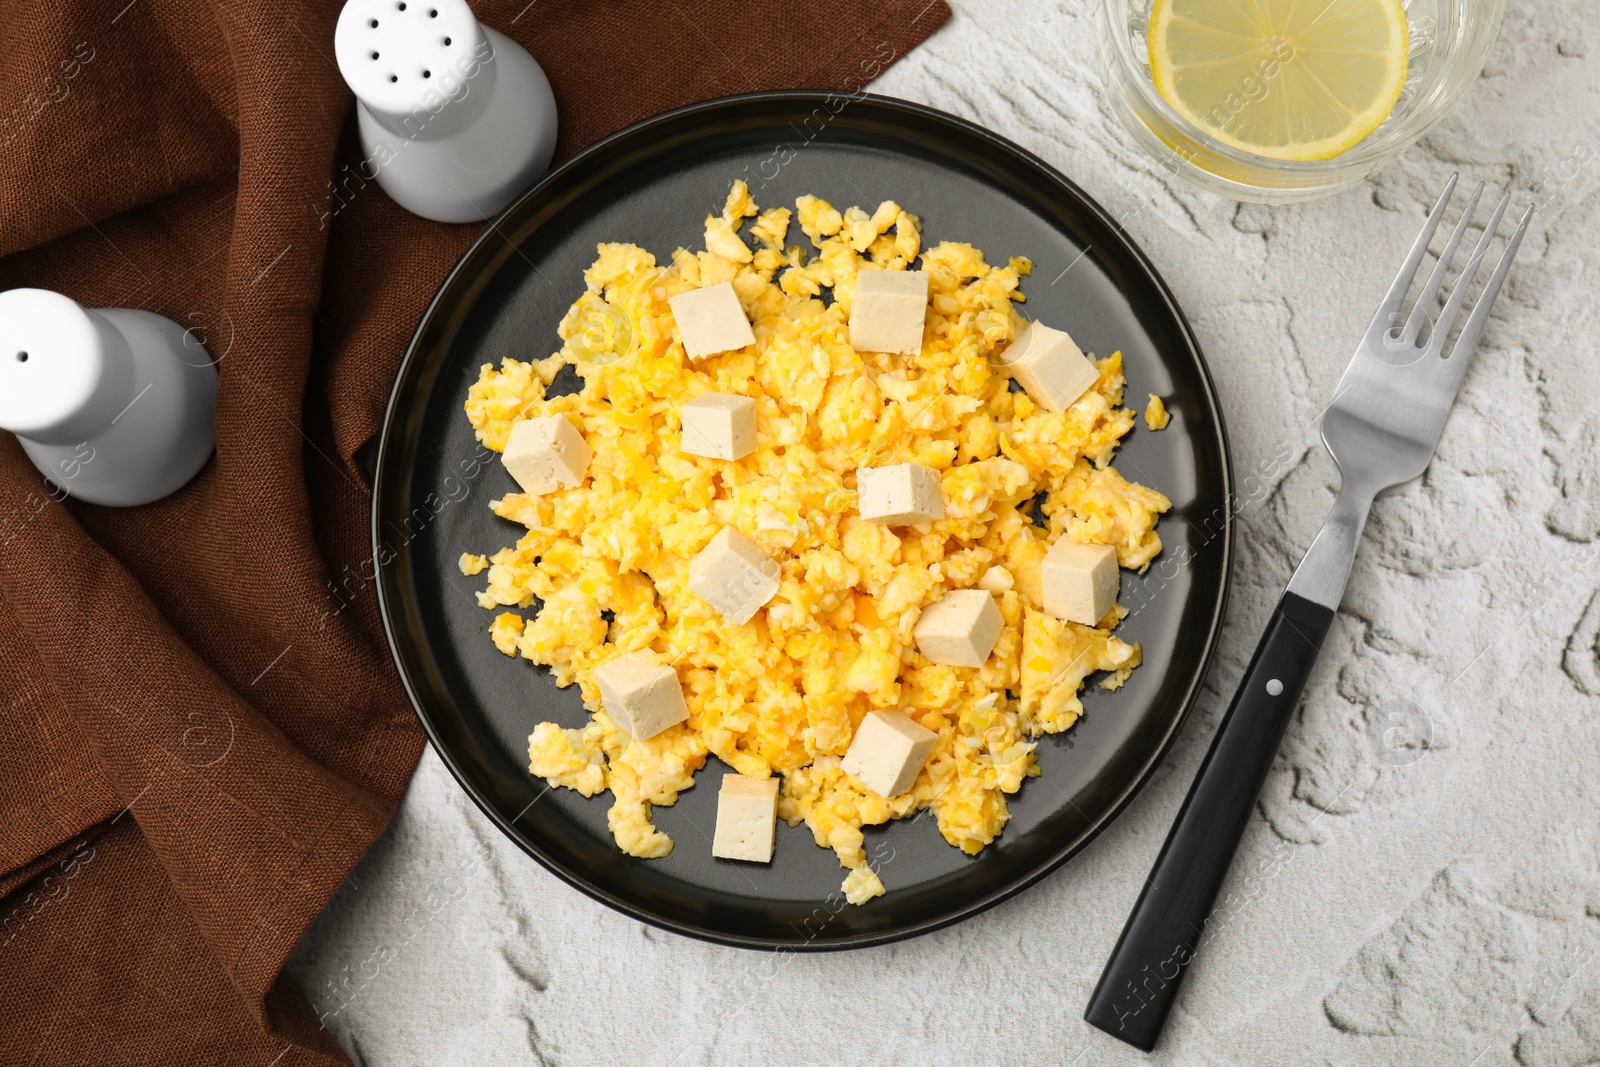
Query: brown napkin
[(201, 730)]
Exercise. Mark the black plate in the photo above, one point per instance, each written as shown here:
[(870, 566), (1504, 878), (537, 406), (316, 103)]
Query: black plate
[(653, 184)]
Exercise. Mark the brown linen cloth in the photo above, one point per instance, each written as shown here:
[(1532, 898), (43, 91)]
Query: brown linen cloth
[(201, 731)]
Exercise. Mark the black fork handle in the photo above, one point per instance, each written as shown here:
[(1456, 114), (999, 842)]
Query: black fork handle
[(1172, 921)]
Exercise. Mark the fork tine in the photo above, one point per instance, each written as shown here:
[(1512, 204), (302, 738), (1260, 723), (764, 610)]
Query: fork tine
[(1458, 291), (1467, 343), (1383, 321), (1424, 304)]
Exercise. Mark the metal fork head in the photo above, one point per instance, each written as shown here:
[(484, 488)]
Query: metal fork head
[(1390, 407)]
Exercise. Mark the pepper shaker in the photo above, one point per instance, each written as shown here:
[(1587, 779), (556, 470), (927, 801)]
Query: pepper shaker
[(113, 405), (455, 118)]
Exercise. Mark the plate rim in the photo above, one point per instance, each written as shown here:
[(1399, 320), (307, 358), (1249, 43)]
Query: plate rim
[(385, 572)]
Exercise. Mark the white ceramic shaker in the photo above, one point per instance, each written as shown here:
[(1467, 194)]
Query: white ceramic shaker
[(455, 119), (113, 405)]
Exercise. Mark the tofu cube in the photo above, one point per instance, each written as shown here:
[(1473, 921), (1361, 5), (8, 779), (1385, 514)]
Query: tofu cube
[(959, 629), (1080, 581), (545, 454), (734, 576), (747, 819), (642, 697), (719, 426), (899, 495), (1049, 366), (887, 311), (887, 752), (711, 320), (997, 580)]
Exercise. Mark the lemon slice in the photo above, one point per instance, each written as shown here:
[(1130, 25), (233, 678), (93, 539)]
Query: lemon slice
[(1288, 79)]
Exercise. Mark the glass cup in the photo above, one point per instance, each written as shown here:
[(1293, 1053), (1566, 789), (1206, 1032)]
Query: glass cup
[(1449, 40)]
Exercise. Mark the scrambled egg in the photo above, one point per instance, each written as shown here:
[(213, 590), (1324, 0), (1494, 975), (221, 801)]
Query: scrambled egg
[(602, 568), (1155, 413)]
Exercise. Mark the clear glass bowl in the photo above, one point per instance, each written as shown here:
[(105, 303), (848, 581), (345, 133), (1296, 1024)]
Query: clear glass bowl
[(1449, 40)]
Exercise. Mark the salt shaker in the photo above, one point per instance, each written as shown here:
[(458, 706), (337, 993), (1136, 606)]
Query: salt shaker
[(455, 119), (113, 405)]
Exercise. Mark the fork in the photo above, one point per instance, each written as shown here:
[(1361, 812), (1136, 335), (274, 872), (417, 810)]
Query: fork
[(1381, 429)]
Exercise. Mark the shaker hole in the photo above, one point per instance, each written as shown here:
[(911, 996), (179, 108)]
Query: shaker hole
[(394, 77), (433, 13), (427, 74), (373, 23), (22, 357), (447, 40), (374, 55)]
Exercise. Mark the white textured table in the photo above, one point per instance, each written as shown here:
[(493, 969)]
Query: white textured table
[(1432, 904)]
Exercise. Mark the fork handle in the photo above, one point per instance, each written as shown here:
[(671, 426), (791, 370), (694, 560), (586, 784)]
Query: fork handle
[(1174, 919)]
